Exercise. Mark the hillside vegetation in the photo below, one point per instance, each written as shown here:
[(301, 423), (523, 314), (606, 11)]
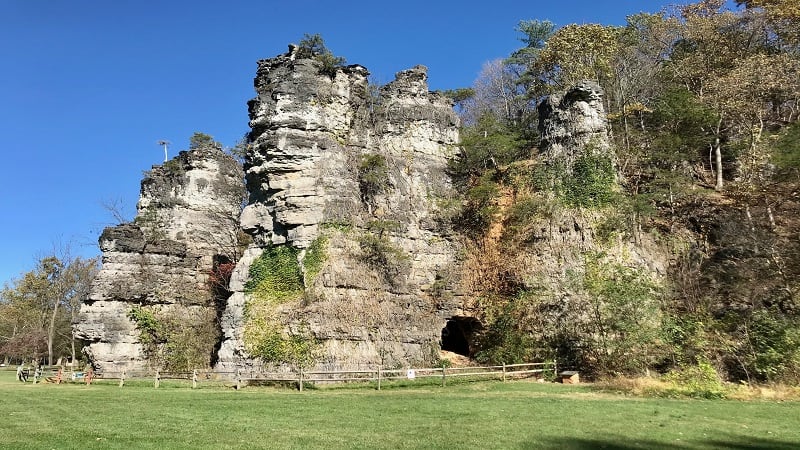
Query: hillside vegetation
[(678, 250), (627, 203)]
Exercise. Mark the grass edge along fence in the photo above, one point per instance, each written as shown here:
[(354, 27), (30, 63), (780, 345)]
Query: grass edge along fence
[(377, 375)]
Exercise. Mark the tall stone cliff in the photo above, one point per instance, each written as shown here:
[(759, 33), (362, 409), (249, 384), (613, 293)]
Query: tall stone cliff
[(350, 182), (158, 266), (565, 245)]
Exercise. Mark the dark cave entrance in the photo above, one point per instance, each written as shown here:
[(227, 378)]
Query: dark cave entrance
[(457, 334)]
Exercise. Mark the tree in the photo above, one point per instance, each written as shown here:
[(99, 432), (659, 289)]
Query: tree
[(41, 306), (753, 99), (580, 52), (525, 61), (497, 91), (784, 20), (312, 46), (199, 139)]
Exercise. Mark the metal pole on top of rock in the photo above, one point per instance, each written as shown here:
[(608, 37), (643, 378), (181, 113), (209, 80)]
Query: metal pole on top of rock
[(165, 144)]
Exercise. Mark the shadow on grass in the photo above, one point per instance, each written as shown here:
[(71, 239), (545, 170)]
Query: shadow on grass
[(731, 442)]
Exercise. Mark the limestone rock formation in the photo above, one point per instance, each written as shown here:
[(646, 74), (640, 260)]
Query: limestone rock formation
[(577, 244), (571, 121), (159, 265), (351, 182)]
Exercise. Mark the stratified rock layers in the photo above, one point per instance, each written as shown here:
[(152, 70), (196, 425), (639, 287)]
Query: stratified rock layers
[(186, 221), (315, 134), (574, 123)]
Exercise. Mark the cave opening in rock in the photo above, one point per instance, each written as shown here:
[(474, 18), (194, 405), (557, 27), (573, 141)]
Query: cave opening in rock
[(458, 333)]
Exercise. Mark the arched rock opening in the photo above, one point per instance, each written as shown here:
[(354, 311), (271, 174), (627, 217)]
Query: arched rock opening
[(457, 334)]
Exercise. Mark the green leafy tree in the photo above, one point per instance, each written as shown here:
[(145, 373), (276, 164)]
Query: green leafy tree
[(580, 52), (526, 61), (313, 46), (199, 139), (40, 307)]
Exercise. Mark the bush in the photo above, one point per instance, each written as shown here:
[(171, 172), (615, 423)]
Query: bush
[(373, 177), (506, 340), (176, 342), (381, 255), (313, 46), (591, 183), (270, 344), (699, 381), (624, 316), (276, 278), (487, 145), (199, 139)]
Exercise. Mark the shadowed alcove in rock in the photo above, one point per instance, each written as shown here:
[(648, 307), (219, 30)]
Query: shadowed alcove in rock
[(457, 335)]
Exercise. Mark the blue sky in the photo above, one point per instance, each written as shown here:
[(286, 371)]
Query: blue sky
[(88, 87)]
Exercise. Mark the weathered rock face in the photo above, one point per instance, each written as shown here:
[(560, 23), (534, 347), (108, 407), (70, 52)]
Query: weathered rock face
[(577, 244), (573, 123), (360, 174), (186, 222)]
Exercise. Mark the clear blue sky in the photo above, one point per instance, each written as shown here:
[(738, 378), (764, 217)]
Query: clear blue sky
[(88, 87)]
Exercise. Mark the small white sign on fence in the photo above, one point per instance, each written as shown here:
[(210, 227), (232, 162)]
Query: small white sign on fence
[(410, 374)]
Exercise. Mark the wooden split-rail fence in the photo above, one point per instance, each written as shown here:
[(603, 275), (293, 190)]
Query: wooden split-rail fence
[(377, 375)]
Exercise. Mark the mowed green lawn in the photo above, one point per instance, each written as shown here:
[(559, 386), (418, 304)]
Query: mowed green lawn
[(519, 414)]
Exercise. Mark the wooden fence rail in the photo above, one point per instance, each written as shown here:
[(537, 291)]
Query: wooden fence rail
[(377, 375)]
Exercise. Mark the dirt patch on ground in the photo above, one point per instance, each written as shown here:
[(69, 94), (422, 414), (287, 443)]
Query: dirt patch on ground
[(457, 360)]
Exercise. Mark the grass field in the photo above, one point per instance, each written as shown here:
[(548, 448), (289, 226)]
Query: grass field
[(481, 415)]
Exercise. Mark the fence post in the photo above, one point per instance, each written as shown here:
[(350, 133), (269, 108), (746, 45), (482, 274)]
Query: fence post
[(122, 379), (301, 380), (555, 369), (444, 375), (504, 372), (238, 379), (157, 381), (194, 379), (380, 369)]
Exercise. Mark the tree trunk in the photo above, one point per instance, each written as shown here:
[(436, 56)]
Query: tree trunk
[(73, 347), (51, 333), (718, 157)]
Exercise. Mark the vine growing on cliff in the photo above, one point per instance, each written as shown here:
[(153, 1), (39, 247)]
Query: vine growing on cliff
[(276, 278)]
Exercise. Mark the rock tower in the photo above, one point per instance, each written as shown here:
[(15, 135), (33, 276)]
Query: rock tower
[(158, 266), (350, 182)]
